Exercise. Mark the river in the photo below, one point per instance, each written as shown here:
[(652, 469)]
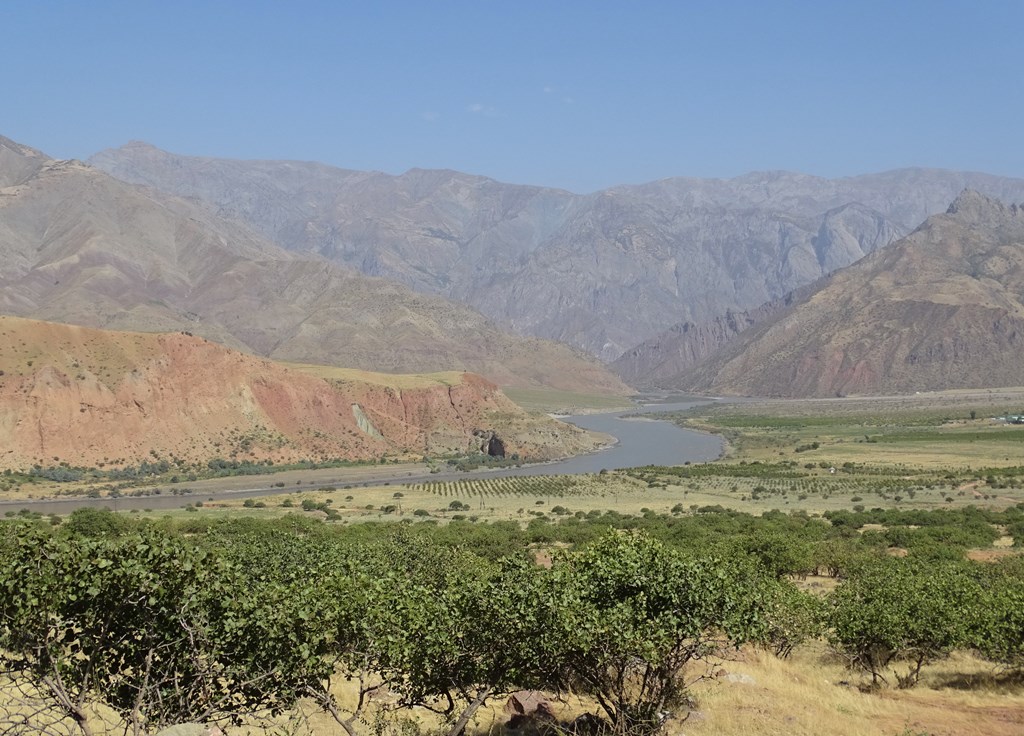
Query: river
[(640, 441)]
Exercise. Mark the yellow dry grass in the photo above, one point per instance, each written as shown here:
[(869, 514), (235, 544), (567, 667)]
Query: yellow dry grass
[(810, 694), (565, 402), (803, 696), (395, 380), (30, 344), (758, 693)]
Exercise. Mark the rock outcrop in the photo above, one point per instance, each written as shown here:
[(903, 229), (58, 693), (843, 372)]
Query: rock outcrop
[(93, 397)]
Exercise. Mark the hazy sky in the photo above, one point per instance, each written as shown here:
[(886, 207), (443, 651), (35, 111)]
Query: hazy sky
[(580, 95)]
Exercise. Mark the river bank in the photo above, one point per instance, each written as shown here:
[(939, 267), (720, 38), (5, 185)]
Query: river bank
[(654, 442)]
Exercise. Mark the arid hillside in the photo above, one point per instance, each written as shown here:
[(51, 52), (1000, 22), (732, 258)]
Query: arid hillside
[(78, 246), (940, 309), (601, 271), (94, 397), (661, 359)]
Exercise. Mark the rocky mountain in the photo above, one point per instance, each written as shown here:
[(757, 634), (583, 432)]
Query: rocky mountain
[(79, 246), (89, 397), (603, 271), (664, 357), (942, 308)]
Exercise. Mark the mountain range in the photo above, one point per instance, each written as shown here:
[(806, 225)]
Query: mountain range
[(79, 246), (603, 271), (942, 308), (739, 286)]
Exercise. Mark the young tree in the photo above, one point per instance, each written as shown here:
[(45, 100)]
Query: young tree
[(152, 626), (892, 617), (793, 618), (627, 618), (442, 628)]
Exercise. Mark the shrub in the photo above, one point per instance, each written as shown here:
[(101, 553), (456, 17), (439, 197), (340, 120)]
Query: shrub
[(794, 618), (891, 617), (999, 631), (627, 615)]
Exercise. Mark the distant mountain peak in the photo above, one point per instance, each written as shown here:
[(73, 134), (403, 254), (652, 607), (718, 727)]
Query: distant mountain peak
[(977, 207), (941, 309), (19, 163)]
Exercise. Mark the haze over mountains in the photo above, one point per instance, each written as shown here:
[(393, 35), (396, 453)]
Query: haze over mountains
[(603, 271), (79, 246), (682, 280), (942, 308), (661, 360)]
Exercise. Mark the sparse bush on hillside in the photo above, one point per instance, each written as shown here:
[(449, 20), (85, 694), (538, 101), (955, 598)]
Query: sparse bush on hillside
[(892, 617), (155, 628), (628, 615)]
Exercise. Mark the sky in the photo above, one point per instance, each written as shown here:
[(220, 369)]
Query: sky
[(579, 95)]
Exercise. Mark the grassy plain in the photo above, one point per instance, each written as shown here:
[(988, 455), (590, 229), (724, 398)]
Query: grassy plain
[(954, 429), (918, 452)]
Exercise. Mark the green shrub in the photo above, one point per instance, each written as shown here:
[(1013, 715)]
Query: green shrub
[(891, 617)]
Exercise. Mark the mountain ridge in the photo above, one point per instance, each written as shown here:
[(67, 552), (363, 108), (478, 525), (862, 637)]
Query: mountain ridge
[(80, 246), (939, 309), (601, 271)]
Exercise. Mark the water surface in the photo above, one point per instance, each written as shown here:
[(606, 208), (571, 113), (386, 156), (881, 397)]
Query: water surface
[(640, 441)]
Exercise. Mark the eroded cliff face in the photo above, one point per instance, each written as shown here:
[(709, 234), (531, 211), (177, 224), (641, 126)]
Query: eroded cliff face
[(664, 360), (91, 397), (939, 309)]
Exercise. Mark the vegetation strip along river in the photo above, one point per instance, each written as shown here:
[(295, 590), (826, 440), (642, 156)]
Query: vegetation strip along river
[(640, 441)]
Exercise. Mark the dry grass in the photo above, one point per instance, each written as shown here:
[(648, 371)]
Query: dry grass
[(395, 380), (803, 695), (565, 402), (611, 491), (810, 694)]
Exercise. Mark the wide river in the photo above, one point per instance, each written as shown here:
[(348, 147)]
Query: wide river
[(640, 441)]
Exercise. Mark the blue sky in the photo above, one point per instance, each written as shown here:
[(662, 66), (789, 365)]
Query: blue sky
[(580, 95)]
